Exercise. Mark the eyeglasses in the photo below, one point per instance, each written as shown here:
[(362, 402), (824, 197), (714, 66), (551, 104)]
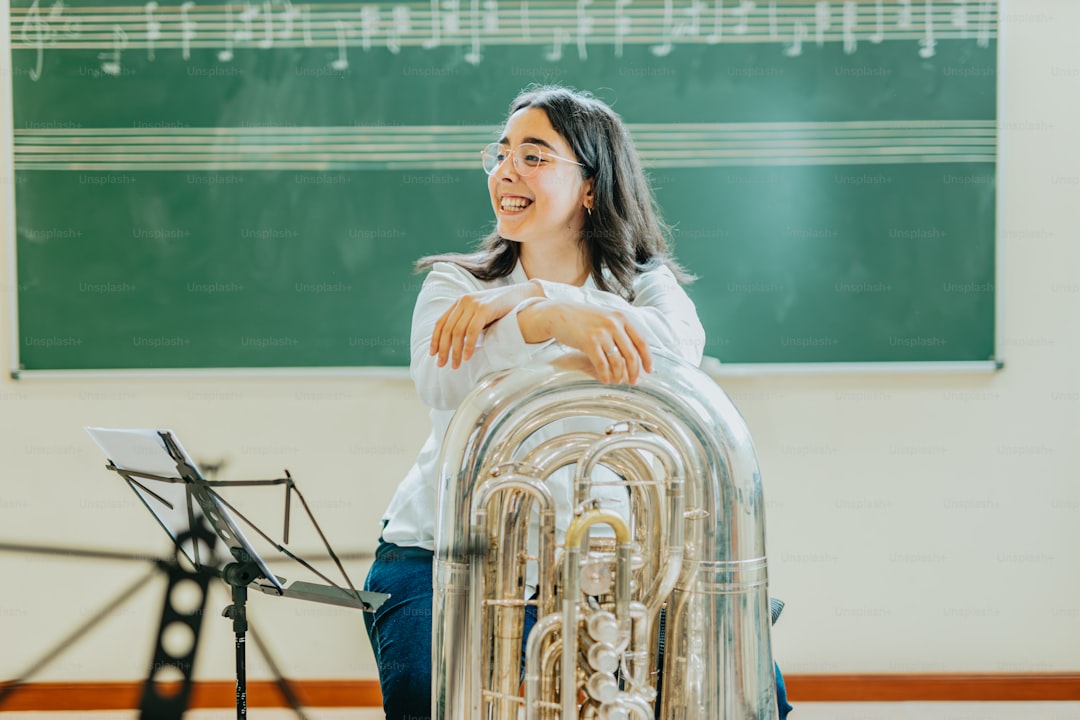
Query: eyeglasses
[(528, 158)]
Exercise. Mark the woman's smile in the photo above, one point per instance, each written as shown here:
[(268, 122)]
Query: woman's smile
[(513, 204)]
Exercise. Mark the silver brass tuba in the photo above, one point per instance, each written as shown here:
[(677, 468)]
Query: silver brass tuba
[(692, 542)]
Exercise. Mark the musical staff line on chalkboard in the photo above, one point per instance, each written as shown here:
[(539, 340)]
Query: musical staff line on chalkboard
[(554, 27), (456, 147)]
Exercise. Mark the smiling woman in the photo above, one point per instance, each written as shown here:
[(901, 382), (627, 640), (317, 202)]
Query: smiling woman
[(540, 202), (578, 264), (614, 204), (571, 206)]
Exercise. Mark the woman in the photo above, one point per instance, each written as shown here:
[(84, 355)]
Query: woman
[(578, 262)]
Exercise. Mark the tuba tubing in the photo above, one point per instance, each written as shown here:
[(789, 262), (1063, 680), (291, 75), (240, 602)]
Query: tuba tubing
[(693, 543)]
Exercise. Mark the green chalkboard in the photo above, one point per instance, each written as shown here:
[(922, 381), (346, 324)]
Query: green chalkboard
[(213, 185)]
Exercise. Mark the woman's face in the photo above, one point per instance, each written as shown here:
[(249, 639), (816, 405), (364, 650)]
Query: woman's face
[(548, 205)]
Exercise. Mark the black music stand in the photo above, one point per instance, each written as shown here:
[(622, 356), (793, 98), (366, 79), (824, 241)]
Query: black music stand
[(180, 498)]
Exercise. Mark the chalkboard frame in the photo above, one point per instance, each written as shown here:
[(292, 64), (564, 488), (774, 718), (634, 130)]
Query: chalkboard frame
[(733, 367)]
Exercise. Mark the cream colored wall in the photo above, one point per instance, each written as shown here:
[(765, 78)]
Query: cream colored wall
[(915, 522)]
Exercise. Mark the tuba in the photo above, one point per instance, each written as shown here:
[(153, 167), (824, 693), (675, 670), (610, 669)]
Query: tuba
[(687, 547)]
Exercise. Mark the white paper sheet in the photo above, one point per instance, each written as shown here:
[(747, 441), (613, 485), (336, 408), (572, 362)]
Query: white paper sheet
[(144, 451)]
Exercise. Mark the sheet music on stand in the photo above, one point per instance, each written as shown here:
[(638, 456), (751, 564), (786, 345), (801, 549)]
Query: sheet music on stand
[(169, 483)]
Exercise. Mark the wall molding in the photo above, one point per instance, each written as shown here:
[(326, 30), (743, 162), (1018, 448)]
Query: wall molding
[(935, 687), (204, 694)]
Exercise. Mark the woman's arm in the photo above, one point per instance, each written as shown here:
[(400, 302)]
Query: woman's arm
[(449, 291), (459, 328), (661, 310), (615, 335), (610, 339)]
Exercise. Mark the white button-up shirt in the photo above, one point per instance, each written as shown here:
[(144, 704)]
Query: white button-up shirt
[(661, 311)]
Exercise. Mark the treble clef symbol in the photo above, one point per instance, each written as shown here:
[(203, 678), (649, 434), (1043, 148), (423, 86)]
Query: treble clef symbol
[(36, 33)]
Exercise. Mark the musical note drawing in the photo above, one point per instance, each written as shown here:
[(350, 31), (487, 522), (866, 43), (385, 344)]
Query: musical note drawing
[(904, 15), (226, 54), (491, 16), (71, 28), (584, 28), (851, 10), (306, 20), (927, 44), (245, 33), (774, 30), (36, 33), (434, 41), (342, 61), (879, 23), (400, 25), (369, 25), (445, 18), (153, 29), (743, 13), (822, 14), (960, 17), (526, 30), (622, 25), (986, 11), (718, 23), (559, 38), (267, 41), (691, 22), (488, 20), (452, 18), (473, 57), (187, 29), (799, 33), (112, 66), (289, 15), (664, 48)]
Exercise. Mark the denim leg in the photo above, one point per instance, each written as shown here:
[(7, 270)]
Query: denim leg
[(782, 703), (526, 628), (400, 630)]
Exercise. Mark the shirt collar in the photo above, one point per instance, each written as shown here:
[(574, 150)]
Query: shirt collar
[(519, 276)]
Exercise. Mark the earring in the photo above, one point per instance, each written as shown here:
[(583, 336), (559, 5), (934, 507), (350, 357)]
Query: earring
[(588, 209)]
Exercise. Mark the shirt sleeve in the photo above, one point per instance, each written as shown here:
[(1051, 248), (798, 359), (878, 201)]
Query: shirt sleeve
[(662, 310), (499, 347)]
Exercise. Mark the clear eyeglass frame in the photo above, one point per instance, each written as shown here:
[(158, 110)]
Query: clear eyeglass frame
[(527, 158)]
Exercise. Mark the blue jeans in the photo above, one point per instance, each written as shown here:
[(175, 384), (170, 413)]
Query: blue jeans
[(400, 632)]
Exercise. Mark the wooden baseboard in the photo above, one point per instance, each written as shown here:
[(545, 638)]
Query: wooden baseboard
[(204, 694), (944, 687)]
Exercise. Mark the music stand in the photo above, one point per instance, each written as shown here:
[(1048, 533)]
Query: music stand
[(179, 498)]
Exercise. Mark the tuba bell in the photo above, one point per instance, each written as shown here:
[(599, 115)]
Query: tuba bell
[(665, 521)]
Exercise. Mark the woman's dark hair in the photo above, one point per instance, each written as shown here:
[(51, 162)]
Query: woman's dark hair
[(623, 234)]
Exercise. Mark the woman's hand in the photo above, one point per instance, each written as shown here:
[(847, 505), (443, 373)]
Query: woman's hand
[(458, 329), (608, 338)]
